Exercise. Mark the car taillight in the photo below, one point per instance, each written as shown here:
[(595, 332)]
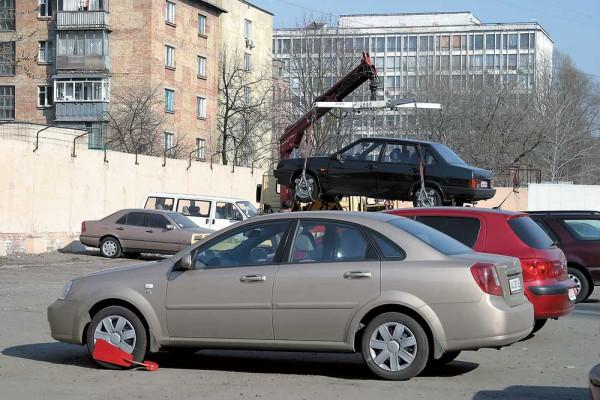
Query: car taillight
[(83, 227), (542, 269), (474, 183), (487, 278)]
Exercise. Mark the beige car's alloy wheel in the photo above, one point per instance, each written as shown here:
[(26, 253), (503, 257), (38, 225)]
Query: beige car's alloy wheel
[(393, 346)]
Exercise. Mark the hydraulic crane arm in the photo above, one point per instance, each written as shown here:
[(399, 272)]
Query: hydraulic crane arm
[(365, 71)]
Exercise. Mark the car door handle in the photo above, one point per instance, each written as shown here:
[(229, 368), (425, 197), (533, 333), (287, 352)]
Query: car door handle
[(119, 228), (149, 230), (357, 275), (253, 278), (371, 166)]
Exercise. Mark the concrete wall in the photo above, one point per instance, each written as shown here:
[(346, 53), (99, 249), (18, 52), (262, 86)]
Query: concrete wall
[(45, 195), (551, 196)]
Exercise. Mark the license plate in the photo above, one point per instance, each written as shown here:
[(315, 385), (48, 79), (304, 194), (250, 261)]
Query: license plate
[(515, 285), (484, 184), (572, 294)]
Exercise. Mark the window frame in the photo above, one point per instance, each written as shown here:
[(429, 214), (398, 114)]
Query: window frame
[(247, 62), (210, 204), (48, 11), (201, 66), (287, 256), (48, 96), (200, 107), (170, 100), (46, 46), (104, 87), (8, 16), (170, 12), (200, 155), (202, 24), (169, 56), (5, 58), (168, 143), (156, 198), (145, 214), (147, 221), (7, 109), (247, 29)]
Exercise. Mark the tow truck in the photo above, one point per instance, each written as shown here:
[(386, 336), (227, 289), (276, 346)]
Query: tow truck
[(269, 193)]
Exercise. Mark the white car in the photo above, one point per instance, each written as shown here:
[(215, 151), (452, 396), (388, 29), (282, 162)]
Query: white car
[(206, 211)]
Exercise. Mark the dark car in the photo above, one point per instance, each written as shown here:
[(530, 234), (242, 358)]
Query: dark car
[(577, 233), (388, 169)]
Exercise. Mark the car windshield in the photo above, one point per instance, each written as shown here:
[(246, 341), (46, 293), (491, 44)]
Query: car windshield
[(448, 155), (182, 221), (436, 239), (247, 208)]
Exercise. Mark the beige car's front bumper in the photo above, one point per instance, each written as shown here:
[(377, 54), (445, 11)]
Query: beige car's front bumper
[(66, 322), (504, 325)]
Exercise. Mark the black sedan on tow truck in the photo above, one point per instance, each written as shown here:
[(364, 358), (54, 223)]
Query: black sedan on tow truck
[(386, 168)]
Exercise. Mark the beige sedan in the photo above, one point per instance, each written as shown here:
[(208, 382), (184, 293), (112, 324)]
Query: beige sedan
[(135, 231), (399, 292)]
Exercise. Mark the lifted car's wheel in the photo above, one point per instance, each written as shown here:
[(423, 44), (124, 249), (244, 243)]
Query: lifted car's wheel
[(583, 286), (539, 324), (110, 247), (429, 197), (121, 328), (395, 346), (446, 358), (306, 188)]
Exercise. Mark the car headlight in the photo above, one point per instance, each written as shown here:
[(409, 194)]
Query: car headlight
[(197, 237), (65, 290)]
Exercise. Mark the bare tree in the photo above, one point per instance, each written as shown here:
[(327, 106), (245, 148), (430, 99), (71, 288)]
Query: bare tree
[(136, 121), (244, 119)]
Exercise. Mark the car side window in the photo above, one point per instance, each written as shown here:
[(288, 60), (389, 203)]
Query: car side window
[(463, 229), (136, 218), (226, 210), (387, 248), (250, 246), (319, 242), (122, 220), (160, 203), (401, 153), (156, 221), (584, 229), (363, 151), (193, 208), (546, 228)]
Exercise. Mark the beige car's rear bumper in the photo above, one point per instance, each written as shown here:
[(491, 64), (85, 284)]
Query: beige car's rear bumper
[(503, 325), (89, 241), (66, 325)]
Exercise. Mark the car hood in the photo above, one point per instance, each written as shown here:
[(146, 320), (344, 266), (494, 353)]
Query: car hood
[(199, 230), (122, 269)]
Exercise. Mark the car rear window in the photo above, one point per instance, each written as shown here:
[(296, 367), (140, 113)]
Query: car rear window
[(530, 233), (463, 229), (434, 238)]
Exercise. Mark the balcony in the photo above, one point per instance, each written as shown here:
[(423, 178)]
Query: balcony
[(81, 111), (83, 63), (82, 20)]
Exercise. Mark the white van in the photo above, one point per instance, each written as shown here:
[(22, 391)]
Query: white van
[(206, 211)]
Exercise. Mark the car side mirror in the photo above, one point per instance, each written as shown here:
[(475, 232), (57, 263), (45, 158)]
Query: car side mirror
[(335, 157), (170, 227), (185, 263)]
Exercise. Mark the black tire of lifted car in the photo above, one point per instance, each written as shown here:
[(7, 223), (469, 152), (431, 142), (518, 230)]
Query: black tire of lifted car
[(141, 344), (539, 324), (314, 186), (438, 202), (421, 358), (114, 240), (585, 285)]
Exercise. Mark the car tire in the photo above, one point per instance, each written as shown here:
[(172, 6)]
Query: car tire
[(446, 358), (582, 283), (433, 193), (539, 324), (384, 353), (306, 192), (136, 345), (110, 247)]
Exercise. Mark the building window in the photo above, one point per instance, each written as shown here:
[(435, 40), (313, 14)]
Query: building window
[(478, 42), (201, 24), (45, 8), (7, 103), (82, 5), (246, 95), (7, 15), (202, 66), (200, 107), (74, 43), (169, 100), (170, 13), (247, 61), (524, 41), (490, 41), (512, 41), (168, 142), (45, 98), (170, 56), (455, 42), (247, 29), (7, 58), (79, 90), (200, 143), (44, 52)]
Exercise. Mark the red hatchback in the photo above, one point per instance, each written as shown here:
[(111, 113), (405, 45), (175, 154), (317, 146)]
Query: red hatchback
[(513, 234)]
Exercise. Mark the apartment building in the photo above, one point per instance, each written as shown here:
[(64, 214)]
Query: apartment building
[(407, 48), (63, 59)]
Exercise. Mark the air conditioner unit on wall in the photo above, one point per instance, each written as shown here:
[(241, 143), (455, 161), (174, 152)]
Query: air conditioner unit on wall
[(249, 43)]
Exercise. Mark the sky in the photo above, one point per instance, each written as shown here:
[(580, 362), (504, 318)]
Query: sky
[(573, 25)]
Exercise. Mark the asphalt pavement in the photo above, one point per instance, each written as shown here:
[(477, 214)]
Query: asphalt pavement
[(551, 365)]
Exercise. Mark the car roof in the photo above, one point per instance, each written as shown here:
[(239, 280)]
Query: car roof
[(457, 211), (348, 216), (388, 139), (564, 212), (192, 196), (148, 210)]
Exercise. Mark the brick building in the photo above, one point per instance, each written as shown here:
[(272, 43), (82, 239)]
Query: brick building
[(60, 60)]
